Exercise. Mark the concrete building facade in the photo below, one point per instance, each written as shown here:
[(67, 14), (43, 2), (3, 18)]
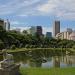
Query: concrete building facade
[(49, 34), (32, 30), (36, 30), (39, 30), (2, 24), (5, 24), (72, 36), (63, 35), (56, 28), (68, 34), (69, 30)]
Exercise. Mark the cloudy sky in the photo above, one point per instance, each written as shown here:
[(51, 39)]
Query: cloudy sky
[(25, 13)]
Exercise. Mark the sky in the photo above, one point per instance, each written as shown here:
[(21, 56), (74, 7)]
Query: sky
[(26, 13)]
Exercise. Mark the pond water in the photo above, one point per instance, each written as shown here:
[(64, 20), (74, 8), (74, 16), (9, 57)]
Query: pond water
[(43, 59), (67, 61)]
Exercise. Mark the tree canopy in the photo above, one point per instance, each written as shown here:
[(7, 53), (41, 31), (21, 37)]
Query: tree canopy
[(12, 38)]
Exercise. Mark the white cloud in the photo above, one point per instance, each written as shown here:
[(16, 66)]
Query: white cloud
[(47, 7), (15, 5), (14, 22), (58, 8), (21, 28)]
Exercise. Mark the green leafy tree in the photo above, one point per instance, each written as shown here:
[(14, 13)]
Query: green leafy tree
[(1, 45), (25, 32), (13, 47)]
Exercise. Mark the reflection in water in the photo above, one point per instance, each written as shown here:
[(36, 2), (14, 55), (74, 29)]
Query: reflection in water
[(35, 64), (69, 60), (43, 58), (56, 61)]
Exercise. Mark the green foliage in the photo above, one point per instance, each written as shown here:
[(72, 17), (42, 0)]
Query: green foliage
[(13, 47), (73, 46), (20, 40), (27, 46), (1, 45), (25, 32)]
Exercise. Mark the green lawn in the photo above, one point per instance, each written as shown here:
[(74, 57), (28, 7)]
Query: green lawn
[(52, 71)]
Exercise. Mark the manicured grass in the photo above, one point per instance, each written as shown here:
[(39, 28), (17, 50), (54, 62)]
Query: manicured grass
[(52, 71)]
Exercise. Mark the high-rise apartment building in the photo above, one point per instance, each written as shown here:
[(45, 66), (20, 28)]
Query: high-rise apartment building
[(2, 24), (32, 30), (69, 30), (36, 30), (56, 28), (49, 34), (39, 30), (65, 34), (5, 24), (72, 36), (8, 25)]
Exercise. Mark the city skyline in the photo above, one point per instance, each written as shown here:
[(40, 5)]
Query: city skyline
[(22, 14)]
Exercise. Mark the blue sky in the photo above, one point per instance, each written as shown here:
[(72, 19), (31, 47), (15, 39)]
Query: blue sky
[(25, 13)]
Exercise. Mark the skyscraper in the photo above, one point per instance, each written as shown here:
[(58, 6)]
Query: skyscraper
[(49, 34), (69, 30), (33, 30), (56, 28), (39, 30), (8, 23), (3, 24), (36, 30)]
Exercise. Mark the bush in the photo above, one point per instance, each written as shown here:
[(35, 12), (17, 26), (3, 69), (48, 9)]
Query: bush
[(13, 47), (27, 46), (73, 46), (1, 45)]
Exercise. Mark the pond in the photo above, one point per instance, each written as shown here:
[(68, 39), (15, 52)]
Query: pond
[(43, 59)]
